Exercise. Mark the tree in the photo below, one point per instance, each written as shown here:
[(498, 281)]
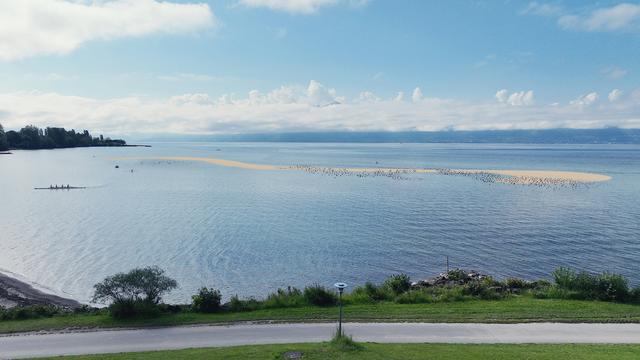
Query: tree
[(146, 284), (3, 140), (206, 300)]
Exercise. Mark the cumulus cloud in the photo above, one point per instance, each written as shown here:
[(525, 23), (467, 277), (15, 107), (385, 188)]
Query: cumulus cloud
[(623, 16), (303, 108), (585, 100), (319, 95), (518, 98), (299, 6), (55, 27), (367, 96), (417, 95), (615, 95)]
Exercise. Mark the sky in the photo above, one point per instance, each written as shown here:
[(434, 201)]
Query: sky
[(251, 66)]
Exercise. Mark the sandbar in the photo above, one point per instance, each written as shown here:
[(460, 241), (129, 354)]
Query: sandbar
[(522, 176)]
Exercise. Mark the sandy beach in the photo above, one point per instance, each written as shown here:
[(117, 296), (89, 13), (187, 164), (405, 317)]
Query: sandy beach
[(14, 292), (522, 177)]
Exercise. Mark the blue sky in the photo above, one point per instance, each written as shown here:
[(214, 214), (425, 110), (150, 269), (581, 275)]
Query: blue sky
[(136, 66)]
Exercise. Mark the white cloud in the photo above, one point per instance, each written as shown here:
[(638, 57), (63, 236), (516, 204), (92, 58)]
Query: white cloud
[(190, 99), (502, 95), (585, 100), (521, 98), (295, 108), (367, 96), (621, 17), (299, 6), (55, 27), (615, 95), (291, 6), (318, 95), (417, 95)]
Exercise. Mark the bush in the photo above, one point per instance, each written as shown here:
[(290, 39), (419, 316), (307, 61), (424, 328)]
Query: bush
[(564, 277), (31, 312), (605, 286), (172, 309), (456, 275), (369, 293), (318, 295), (291, 297), (398, 283), (236, 304), (128, 308), (517, 284), (206, 300), (612, 287), (415, 297), (483, 289), (344, 343)]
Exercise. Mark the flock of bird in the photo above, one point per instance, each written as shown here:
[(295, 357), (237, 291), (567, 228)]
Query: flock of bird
[(402, 174)]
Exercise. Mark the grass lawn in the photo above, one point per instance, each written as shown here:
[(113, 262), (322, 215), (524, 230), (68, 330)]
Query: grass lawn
[(519, 309), (395, 351)]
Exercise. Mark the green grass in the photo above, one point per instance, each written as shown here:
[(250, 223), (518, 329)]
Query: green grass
[(371, 351), (519, 309)]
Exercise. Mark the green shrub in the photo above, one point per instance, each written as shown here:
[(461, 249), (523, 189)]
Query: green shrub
[(318, 295), (612, 287), (456, 275), (206, 300), (369, 293), (172, 309), (415, 297), (585, 286), (291, 297), (31, 312), (127, 308), (236, 304), (398, 283), (564, 277), (634, 295), (517, 284), (344, 343), (485, 289)]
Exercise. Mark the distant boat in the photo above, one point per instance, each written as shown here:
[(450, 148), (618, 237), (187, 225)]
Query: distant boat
[(60, 188)]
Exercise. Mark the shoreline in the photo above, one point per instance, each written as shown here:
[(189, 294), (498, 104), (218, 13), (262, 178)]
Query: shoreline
[(15, 292)]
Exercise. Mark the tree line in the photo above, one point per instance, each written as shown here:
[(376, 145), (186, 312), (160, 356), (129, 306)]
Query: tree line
[(31, 138)]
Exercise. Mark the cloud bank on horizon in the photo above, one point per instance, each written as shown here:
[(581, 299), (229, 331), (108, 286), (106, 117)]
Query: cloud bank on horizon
[(34, 32), (315, 108)]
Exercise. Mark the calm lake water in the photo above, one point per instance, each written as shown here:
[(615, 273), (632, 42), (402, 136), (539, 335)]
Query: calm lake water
[(248, 232)]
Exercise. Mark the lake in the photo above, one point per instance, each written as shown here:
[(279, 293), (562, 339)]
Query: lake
[(248, 232)]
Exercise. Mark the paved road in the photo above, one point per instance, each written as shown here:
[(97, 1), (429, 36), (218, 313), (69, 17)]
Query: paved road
[(94, 342)]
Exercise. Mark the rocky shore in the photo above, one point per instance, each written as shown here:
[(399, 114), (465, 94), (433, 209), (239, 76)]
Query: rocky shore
[(14, 292)]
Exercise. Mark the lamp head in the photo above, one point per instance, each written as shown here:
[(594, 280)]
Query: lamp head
[(340, 286)]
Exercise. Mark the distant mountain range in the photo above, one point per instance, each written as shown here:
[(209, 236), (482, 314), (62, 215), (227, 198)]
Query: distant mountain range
[(550, 136)]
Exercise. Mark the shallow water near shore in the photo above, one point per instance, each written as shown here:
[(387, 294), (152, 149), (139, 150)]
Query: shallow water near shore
[(248, 232)]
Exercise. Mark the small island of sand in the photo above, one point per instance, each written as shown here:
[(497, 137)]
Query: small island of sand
[(514, 177)]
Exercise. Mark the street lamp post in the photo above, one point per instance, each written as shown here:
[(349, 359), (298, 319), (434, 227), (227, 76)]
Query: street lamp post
[(340, 286)]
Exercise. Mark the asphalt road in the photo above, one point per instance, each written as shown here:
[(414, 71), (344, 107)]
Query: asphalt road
[(110, 341)]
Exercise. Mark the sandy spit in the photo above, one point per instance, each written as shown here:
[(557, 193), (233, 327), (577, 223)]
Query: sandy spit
[(14, 292), (579, 177)]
